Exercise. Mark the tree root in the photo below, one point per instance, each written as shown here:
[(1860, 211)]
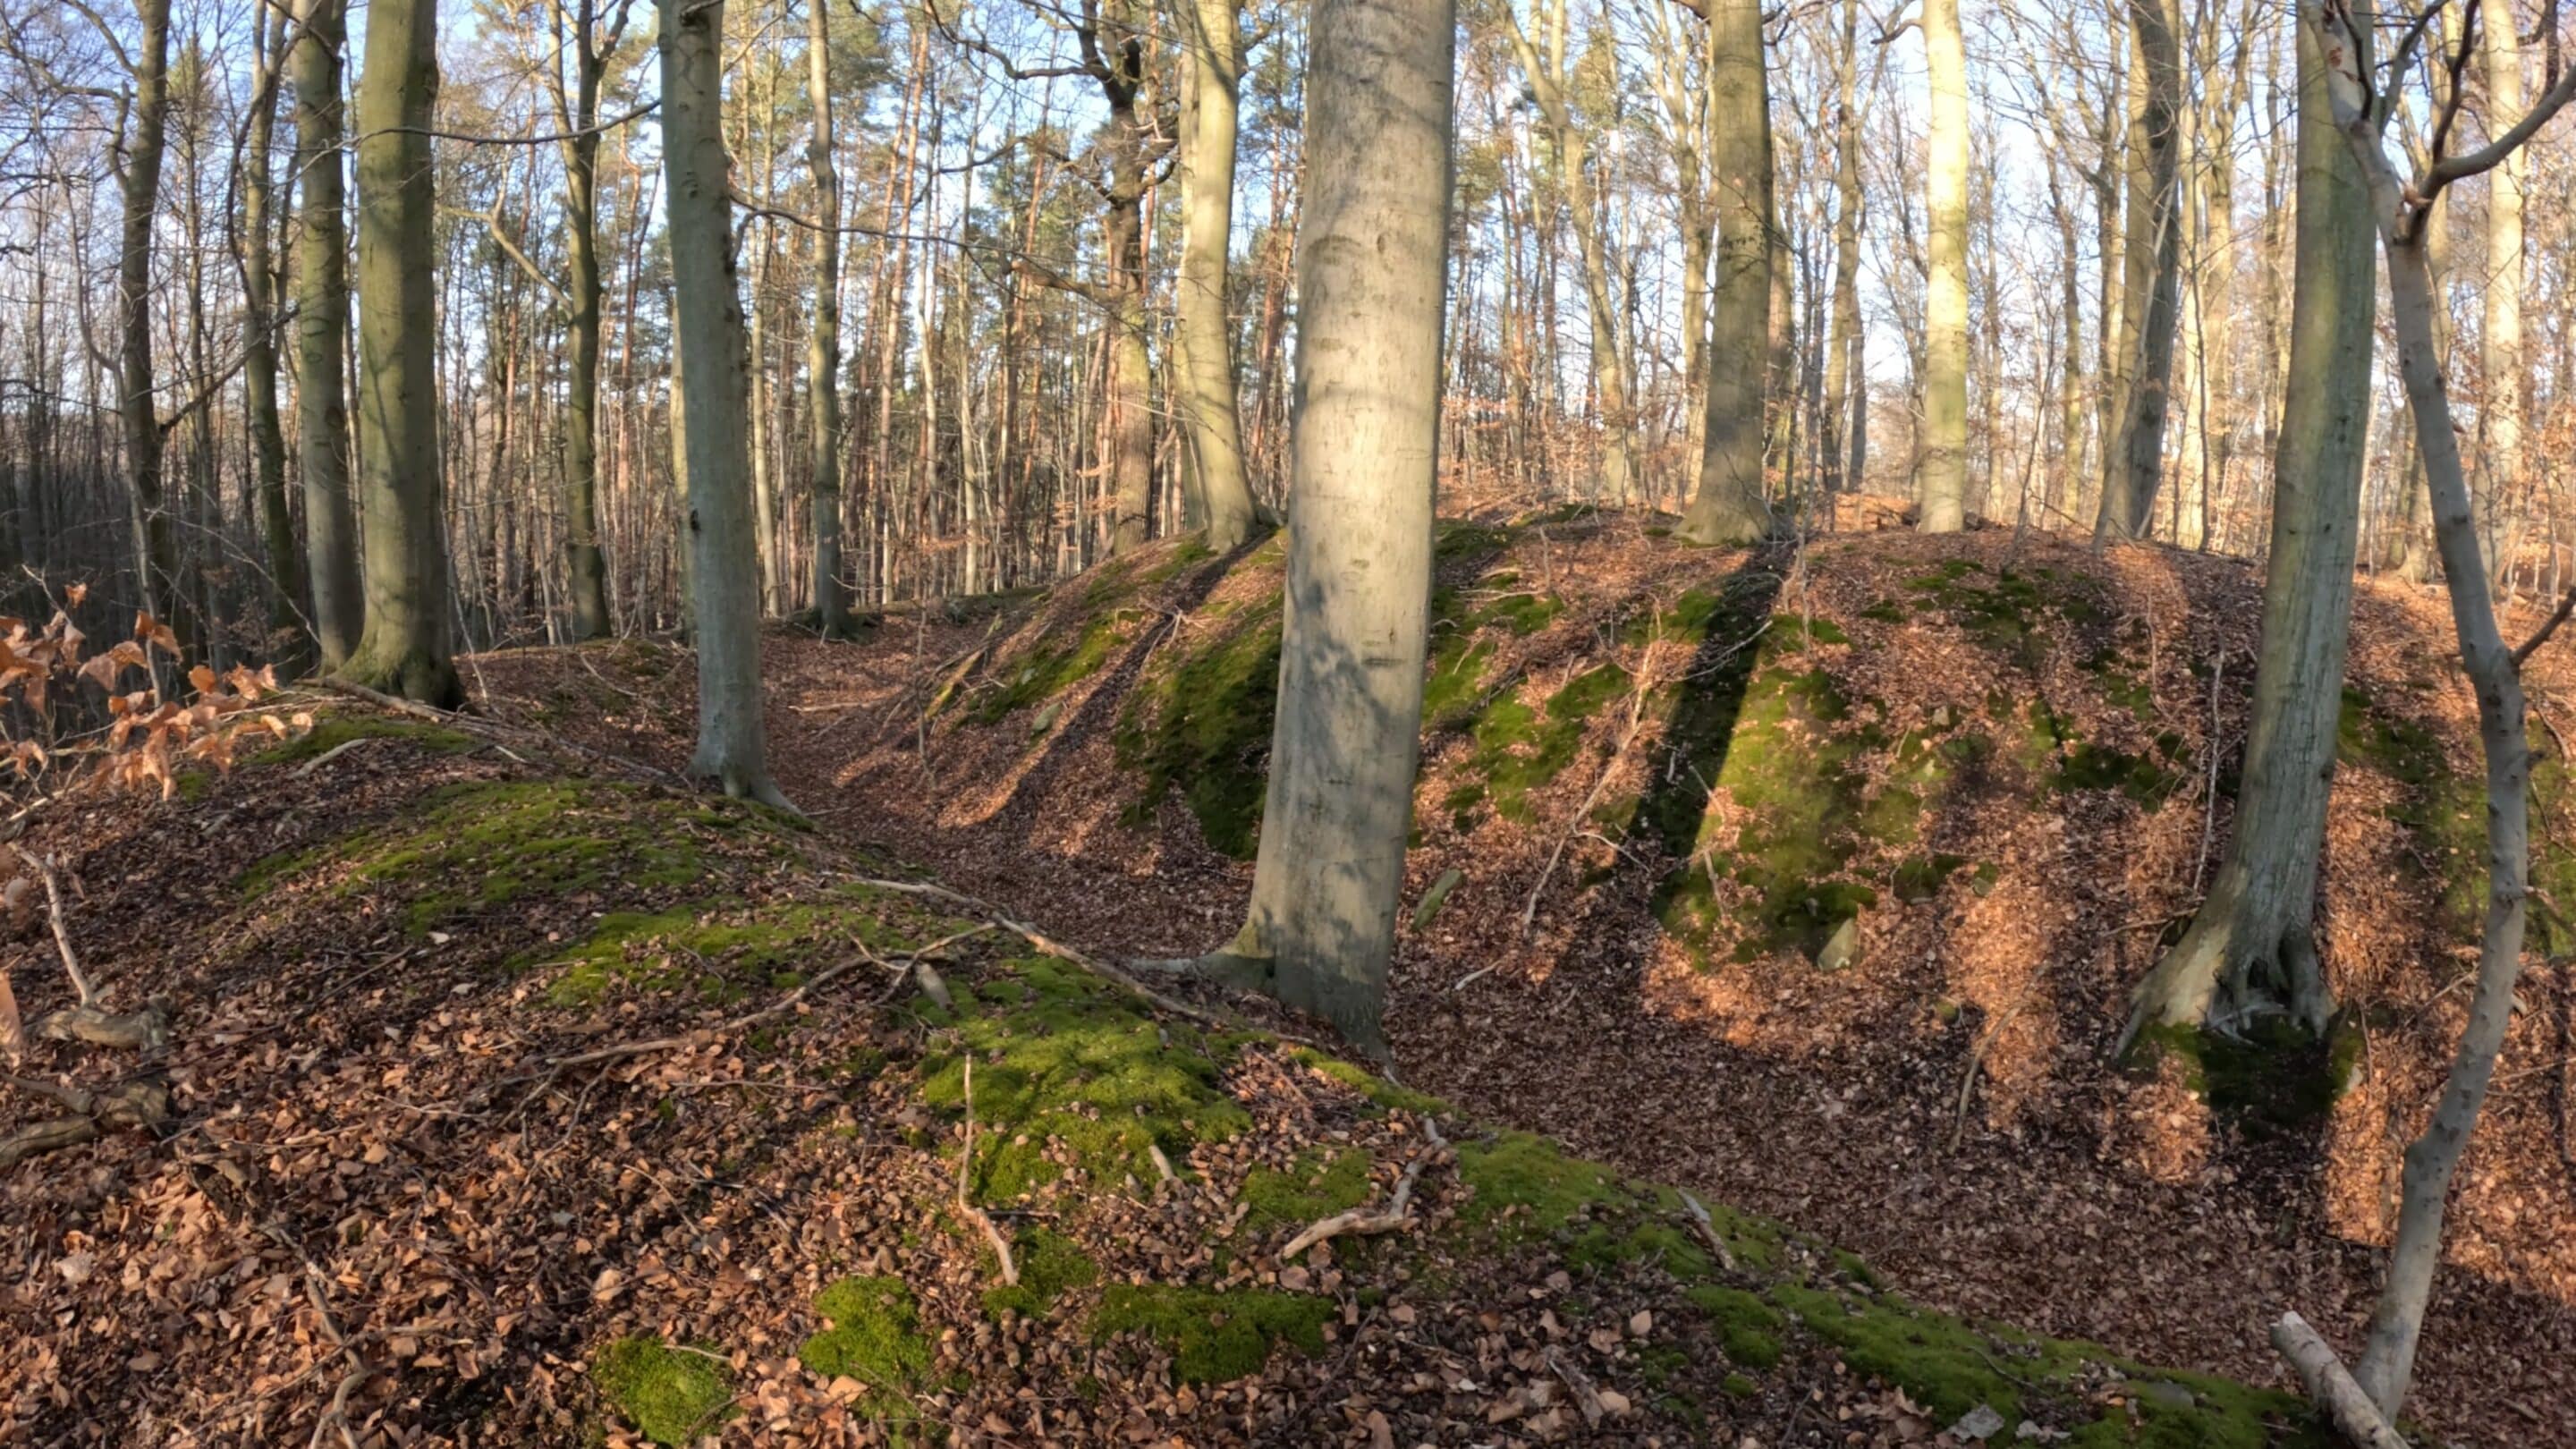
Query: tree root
[(966, 1205), (141, 1103), (147, 1030)]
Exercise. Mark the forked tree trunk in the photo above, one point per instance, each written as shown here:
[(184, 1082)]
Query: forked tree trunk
[(823, 345), (2494, 673), (1209, 417), (1730, 507), (2134, 464), (710, 348), (1371, 268), (1944, 455), (405, 648), (321, 329), (2251, 948)]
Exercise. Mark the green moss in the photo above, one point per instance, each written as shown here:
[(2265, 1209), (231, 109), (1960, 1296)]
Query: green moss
[(1380, 1092), (1202, 726), (724, 949), (1051, 1265), (1214, 1337), (1520, 750), (1318, 1186), (336, 730), (2016, 615), (1075, 1062), (1792, 631), (1052, 668), (670, 1395), (1943, 1363), (1793, 775), (479, 845), (875, 1337), (1749, 1328), (1741, 1386), (1533, 1179), (2093, 766)]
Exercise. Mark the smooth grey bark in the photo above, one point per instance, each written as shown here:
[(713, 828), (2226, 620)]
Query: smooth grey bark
[(2134, 463), (405, 649), (257, 256), (321, 330), (1846, 386), (1943, 461), (1372, 264), (2250, 950), (1210, 419), (2494, 671), (823, 345), (1730, 507), (711, 381)]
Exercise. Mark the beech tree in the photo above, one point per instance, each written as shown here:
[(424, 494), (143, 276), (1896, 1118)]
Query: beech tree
[(405, 649), (321, 333), (2133, 460), (710, 383), (1372, 269), (1944, 465), (1730, 506), (1207, 406), (2250, 950)]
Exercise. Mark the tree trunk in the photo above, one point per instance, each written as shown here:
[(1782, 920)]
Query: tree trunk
[(1206, 336), (1367, 426), (1730, 508), (1944, 455), (156, 552), (286, 589), (2503, 371), (2251, 948), (2135, 464), (710, 348), (321, 334), (1842, 382), (823, 344), (405, 648), (585, 564)]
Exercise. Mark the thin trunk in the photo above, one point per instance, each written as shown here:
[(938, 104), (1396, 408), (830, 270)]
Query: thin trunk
[(1841, 429), (2135, 462), (585, 564), (2501, 364), (1943, 458), (286, 588), (321, 335), (156, 553), (823, 345), (1206, 336)]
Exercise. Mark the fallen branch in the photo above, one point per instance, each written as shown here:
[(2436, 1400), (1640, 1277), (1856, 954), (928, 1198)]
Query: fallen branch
[(333, 753), (1707, 1227), (62, 931), (2330, 1387), (1362, 1222), (1586, 1397), (965, 1204), (146, 1030), (1976, 1061), (141, 1103)]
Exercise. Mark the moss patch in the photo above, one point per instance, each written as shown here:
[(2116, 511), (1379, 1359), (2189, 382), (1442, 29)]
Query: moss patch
[(1214, 1337), (1749, 1328), (670, 1395), (1520, 750), (340, 729), (1051, 1265), (875, 1337), (724, 949), (479, 845), (2272, 1080), (1052, 668), (1074, 1062), (1318, 1186), (1202, 727)]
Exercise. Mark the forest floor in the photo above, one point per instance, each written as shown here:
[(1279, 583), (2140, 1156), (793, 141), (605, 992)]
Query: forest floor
[(1813, 881)]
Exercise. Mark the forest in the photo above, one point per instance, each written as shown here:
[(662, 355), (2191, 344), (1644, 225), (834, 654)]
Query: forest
[(1205, 722)]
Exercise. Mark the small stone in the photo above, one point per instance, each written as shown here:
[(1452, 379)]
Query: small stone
[(1841, 948), (1980, 1423)]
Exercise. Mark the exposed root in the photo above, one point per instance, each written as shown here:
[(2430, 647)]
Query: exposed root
[(147, 1030), (141, 1103), (966, 1205)]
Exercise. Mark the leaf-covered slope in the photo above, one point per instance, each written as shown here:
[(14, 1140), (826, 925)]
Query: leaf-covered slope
[(498, 1119)]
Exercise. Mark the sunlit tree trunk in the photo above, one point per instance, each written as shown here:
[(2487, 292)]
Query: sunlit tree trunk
[(823, 344), (321, 334), (143, 141), (1209, 416), (1843, 384), (2501, 362), (586, 565), (405, 648), (2250, 950), (2134, 464), (1730, 507), (710, 351), (1944, 455), (1371, 264)]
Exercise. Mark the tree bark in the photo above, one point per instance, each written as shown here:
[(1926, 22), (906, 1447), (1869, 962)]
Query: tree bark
[(823, 344), (2502, 367), (2251, 950), (286, 587), (1371, 269), (711, 351), (1944, 455), (142, 142), (404, 650), (586, 565), (1846, 390), (2135, 464), (321, 334), (1209, 416), (1730, 507)]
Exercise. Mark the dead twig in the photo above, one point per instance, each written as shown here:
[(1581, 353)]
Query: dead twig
[(1707, 1227), (1362, 1222), (966, 1205), (1976, 1061), (62, 932)]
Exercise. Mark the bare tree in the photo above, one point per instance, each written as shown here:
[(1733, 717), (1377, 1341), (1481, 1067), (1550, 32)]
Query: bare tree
[(321, 333), (1730, 507)]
